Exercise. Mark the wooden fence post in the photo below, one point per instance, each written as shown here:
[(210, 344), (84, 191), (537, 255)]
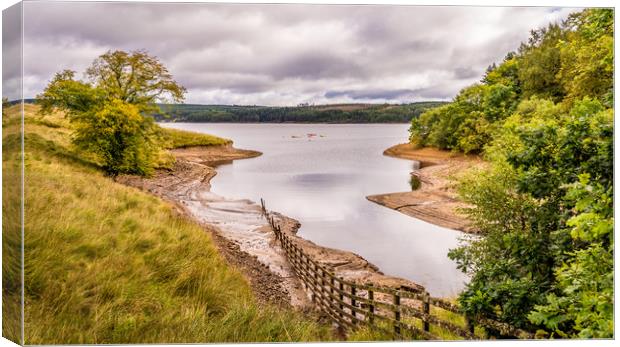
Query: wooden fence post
[(469, 324), (427, 311), (341, 287), (320, 280), (353, 302), (371, 306), (397, 312), (332, 288), (313, 278)]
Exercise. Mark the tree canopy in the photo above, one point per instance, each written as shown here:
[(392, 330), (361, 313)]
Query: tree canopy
[(110, 109)]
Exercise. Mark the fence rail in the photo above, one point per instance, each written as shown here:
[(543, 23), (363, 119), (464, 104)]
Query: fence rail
[(400, 312)]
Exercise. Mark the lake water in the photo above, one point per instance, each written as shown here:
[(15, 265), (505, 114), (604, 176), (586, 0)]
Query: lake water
[(323, 181)]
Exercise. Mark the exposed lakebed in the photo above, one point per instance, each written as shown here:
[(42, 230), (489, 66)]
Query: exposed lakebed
[(320, 175)]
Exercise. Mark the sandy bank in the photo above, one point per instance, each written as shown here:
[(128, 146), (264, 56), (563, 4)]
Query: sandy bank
[(436, 200)]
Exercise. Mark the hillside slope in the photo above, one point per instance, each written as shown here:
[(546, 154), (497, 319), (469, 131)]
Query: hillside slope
[(105, 263)]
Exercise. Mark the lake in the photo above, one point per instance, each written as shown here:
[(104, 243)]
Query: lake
[(322, 180)]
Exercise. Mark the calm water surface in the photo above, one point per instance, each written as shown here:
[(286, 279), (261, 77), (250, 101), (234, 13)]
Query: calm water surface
[(322, 181)]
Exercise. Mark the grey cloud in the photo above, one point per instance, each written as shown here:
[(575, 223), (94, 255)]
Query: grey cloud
[(466, 72), (284, 54), (11, 51), (370, 94), (317, 65)]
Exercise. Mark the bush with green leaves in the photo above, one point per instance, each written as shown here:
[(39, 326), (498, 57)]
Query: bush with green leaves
[(582, 303), (538, 229)]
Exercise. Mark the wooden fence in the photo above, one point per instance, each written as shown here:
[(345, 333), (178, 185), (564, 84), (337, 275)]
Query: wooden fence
[(403, 313)]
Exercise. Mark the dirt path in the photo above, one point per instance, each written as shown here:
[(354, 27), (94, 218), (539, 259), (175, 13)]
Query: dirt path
[(435, 201)]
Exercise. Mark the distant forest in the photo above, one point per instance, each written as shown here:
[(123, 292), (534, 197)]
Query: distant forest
[(341, 113)]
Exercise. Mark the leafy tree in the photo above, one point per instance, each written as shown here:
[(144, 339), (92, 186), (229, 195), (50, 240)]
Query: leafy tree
[(582, 304), (507, 73), (135, 78), (539, 63), (543, 118), (523, 206), (468, 122), (109, 109), (588, 55)]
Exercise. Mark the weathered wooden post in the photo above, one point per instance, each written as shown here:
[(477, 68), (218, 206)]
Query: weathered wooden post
[(427, 310), (397, 312), (469, 324), (371, 306), (332, 287), (312, 279), (341, 296), (319, 280), (353, 303)]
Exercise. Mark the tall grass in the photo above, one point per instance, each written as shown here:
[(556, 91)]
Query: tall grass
[(105, 263), (11, 224)]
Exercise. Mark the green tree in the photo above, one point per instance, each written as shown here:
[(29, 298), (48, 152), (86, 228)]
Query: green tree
[(543, 118), (110, 110), (135, 78), (588, 55), (539, 63), (523, 207)]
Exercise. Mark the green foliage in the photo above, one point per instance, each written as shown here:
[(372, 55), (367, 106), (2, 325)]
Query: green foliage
[(562, 63), (510, 264), (588, 55), (124, 140), (523, 206), (544, 119), (467, 123), (539, 63), (108, 113), (347, 113), (135, 78), (583, 303)]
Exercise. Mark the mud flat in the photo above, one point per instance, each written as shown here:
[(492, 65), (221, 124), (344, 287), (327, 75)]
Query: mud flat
[(436, 200), (241, 232)]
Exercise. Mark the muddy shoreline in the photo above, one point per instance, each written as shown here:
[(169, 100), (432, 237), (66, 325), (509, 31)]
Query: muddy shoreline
[(436, 200), (243, 235)]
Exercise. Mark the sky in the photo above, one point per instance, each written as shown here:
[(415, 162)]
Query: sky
[(281, 54)]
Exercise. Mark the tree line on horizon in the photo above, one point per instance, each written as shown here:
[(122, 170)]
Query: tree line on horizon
[(543, 119), (347, 113)]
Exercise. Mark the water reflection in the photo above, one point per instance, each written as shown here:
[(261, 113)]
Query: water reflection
[(322, 181)]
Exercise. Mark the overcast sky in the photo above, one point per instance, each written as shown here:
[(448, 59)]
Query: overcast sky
[(284, 54)]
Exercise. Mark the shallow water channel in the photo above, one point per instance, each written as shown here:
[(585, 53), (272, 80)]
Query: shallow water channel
[(320, 174)]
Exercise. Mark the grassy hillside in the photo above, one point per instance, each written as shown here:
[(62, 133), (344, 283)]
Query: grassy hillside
[(181, 138), (11, 228), (337, 113), (105, 263)]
